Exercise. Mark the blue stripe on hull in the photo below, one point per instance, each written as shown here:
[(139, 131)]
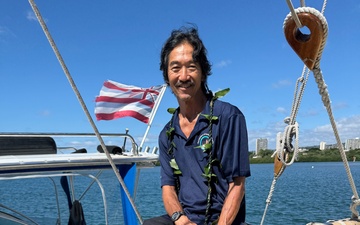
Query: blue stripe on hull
[(128, 173)]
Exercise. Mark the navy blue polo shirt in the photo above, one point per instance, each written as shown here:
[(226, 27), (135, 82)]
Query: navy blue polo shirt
[(230, 145)]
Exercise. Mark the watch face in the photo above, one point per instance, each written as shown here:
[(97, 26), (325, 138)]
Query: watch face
[(176, 215)]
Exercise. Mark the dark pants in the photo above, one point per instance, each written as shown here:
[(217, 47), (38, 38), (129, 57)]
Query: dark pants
[(161, 220), (165, 220)]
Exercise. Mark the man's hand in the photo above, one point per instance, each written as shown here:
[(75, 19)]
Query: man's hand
[(184, 220)]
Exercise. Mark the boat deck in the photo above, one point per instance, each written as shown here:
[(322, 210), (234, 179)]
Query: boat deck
[(20, 164)]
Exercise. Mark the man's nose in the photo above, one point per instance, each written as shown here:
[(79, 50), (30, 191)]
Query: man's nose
[(184, 75)]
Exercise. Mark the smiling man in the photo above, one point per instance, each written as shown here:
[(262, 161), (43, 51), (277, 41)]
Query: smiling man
[(204, 148)]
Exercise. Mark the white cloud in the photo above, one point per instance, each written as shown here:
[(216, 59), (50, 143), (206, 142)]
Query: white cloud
[(223, 63), (281, 83), (348, 128), (281, 110), (309, 113), (31, 16), (340, 105)]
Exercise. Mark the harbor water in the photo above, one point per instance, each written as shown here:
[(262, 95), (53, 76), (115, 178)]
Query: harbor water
[(306, 192)]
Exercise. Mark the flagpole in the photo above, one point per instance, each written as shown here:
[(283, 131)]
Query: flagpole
[(152, 115)]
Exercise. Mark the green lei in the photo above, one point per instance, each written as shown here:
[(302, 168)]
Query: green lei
[(206, 148)]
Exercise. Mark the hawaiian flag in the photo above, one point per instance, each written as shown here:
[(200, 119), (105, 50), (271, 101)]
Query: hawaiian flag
[(119, 100)]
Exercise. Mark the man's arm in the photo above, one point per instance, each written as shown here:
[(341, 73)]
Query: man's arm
[(232, 201), (172, 204)]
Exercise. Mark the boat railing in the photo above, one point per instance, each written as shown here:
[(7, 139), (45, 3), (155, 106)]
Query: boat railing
[(17, 164), (95, 179), (134, 147)]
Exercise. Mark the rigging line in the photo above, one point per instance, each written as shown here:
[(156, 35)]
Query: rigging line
[(323, 7), (302, 3), (271, 192), (285, 144), (298, 94), (268, 200), (293, 13), (327, 103), (292, 124), (90, 185), (86, 111)]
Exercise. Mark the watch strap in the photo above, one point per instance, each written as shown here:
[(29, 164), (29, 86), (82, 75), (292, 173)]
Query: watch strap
[(176, 215)]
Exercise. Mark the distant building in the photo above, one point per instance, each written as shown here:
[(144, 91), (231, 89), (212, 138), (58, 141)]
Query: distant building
[(352, 144), (322, 145), (261, 144)]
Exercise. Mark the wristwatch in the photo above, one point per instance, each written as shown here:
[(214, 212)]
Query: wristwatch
[(176, 215)]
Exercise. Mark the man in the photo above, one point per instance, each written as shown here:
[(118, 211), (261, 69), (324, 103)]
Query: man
[(204, 148)]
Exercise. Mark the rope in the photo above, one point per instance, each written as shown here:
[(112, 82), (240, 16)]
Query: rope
[(299, 94), (302, 4), (80, 99), (268, 200), (326, 101), (324, 6), (294, 14), (272, 189), (292, 130), (289, 132)]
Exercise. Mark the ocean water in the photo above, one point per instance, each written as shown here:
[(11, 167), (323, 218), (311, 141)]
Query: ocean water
[(306, 192)]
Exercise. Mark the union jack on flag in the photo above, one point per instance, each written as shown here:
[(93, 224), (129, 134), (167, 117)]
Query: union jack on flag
[(118, 100)]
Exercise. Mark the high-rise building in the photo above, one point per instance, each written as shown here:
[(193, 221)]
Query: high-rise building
[(261, 144), (322, 145), (352, 144)]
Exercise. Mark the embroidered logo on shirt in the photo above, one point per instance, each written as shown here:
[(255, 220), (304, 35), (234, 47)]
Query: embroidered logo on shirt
[(204, 139)]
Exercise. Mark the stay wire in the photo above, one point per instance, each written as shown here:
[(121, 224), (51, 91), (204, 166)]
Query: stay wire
[(86, 111)]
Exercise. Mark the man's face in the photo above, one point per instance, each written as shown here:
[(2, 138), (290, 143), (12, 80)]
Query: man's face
[(184, 74)]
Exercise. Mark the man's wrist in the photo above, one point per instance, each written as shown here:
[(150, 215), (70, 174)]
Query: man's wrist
[(176, 215)]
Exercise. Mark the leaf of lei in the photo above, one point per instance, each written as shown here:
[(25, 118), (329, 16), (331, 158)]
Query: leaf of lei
[(171, 110), (209, 117), (205, 147), (221, 93), (170, 132), (175, 167)]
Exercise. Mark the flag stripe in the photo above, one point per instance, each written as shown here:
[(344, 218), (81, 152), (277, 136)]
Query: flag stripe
[(128, 93), (124, 100), (107, 107), (124, 88), (120, 114), (118, 100)]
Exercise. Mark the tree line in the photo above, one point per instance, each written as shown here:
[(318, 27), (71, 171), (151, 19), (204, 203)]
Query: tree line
[(312, 155)]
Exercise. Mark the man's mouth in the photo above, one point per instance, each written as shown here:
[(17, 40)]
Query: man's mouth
[(184, 85)]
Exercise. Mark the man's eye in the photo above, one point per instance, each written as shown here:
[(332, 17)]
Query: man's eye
[(192, 68), (175, 68)]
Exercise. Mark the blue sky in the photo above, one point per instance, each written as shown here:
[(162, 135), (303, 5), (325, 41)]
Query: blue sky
[(121, 41)]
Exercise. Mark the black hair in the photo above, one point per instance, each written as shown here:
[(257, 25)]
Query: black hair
[(190, 35)]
